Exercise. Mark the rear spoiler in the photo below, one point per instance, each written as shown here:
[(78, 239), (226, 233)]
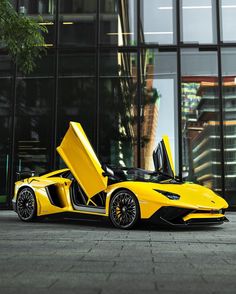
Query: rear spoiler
[(24, 175)]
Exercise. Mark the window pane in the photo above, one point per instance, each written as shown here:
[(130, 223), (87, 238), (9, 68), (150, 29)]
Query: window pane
[(229, 96), (159, 104), (33, 124), (117, 112), (77, 23), (44, 66), (77, 64), (5, 121), (158, 21), (45, 8), (76, 102), (118, 20), (228, 20), (198, 21), (200, 118), (76, 94), (5, 66)]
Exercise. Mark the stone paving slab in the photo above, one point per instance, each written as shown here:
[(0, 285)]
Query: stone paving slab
[(81, 256)]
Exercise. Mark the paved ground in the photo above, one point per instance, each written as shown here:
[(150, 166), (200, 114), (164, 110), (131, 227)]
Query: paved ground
[(78, 256)]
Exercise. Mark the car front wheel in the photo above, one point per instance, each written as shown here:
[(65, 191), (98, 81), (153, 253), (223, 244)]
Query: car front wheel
[(124, 210), (26, 205)]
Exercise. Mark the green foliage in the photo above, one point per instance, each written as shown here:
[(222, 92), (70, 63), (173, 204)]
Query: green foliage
[(21, 36)]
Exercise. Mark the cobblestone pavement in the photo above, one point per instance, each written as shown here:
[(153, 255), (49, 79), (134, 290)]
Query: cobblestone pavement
[(78, 256)]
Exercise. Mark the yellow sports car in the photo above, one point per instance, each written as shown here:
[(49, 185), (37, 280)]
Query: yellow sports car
[(125, 195)]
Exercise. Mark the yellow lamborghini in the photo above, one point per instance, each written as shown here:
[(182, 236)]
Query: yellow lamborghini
[(124, 195)]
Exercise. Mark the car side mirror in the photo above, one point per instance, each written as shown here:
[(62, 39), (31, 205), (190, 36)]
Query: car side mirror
[(107, 171)]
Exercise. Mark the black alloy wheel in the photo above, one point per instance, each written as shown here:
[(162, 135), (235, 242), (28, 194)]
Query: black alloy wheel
[(26, 205), (124, 210)]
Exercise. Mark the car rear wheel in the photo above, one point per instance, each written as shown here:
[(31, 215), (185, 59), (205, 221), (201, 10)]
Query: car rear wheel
[(26, 205), (124, 210)]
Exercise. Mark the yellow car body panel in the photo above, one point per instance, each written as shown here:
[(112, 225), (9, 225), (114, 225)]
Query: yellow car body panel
[(44, 205), (54, 191), (202, 215), (150, 201), (38, 184), (193, 197), (169, 154), (80, 158)]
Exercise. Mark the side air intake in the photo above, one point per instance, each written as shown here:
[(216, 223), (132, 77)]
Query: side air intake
[(54, 195)]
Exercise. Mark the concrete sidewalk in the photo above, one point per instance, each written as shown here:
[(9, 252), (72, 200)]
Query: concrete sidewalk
[(78, 256)]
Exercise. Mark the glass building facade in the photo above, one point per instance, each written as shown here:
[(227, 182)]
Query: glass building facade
[(129, 71)]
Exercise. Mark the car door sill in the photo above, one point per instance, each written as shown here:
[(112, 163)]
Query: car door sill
[(84, 208)]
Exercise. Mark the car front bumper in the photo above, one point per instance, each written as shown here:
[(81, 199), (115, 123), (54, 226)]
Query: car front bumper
[(182, 217)]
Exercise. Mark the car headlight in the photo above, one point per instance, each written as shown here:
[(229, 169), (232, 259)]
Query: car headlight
[(169, 195)]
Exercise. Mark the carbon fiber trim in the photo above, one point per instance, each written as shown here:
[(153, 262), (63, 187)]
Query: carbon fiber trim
[(84, 208), (209, 221), (173, 216), (53, 195)]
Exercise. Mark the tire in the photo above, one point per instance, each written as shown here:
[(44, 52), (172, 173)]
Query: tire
[(124, 210), (26, 205)]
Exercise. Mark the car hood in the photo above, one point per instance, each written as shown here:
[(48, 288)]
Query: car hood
[(194, 194)]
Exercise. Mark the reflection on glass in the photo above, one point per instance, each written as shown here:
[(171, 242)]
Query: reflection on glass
[(76, 64), (117, 128), (5, 66), (77, 23), (76, 102), (118, 20), (228, 20), (76, 94), (33, 124), (44, 8), (158, 21), (198, 21), (200, 118), (5, 112), (229, 96), (44, 66), (159, 104)]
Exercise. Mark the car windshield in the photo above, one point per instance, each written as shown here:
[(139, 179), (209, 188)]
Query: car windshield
[(141, 175)]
